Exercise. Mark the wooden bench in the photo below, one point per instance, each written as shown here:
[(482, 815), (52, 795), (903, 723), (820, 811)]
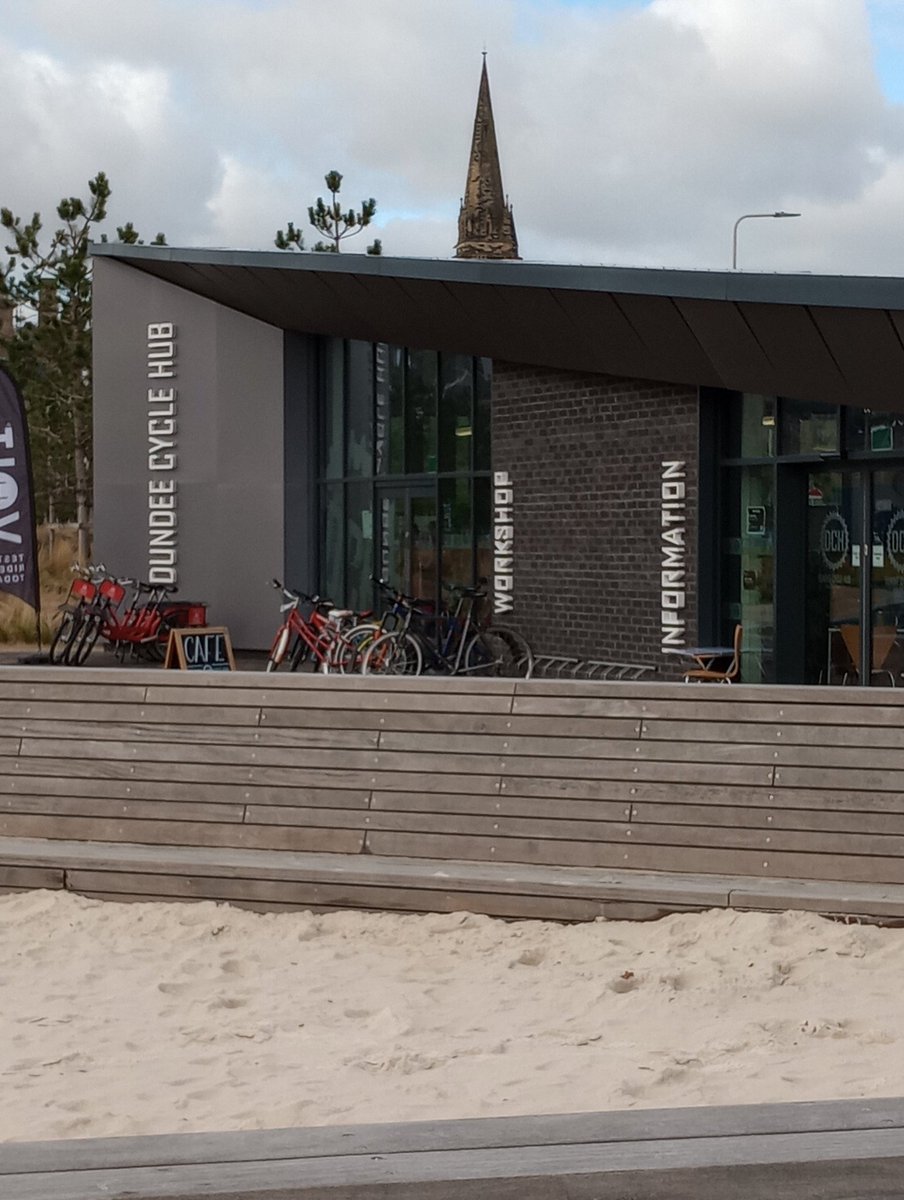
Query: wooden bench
[(558, 799), (839, 1150)]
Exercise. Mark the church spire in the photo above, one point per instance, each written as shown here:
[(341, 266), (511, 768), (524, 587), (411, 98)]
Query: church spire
[(486, 228)]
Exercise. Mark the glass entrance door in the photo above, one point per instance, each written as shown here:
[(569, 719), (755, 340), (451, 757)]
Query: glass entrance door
[(855, 577), (887, 577), (833, 581), (408, 539)]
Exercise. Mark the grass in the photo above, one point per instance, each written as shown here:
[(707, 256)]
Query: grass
[(57, 551)]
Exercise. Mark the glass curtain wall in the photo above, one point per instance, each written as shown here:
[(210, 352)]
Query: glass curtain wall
[(812, 496), (405, 486)]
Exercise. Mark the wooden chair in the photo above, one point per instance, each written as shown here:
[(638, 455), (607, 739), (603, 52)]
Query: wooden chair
[(707, 673), (884, 639)]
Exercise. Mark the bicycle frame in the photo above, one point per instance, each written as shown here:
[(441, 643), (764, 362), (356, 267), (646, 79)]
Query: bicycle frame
[(458, 628), (317, 633)]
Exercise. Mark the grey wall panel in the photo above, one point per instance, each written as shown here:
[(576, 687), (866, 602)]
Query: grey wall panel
[(229, 472)]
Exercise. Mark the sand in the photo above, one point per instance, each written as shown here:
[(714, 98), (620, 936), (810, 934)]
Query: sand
[(158, 1018)]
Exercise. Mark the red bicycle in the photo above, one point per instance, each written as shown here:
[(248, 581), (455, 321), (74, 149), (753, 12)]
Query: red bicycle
[(82, 593), (320, 634)]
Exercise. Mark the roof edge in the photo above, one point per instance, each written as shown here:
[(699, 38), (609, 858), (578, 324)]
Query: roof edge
[(844, 291)]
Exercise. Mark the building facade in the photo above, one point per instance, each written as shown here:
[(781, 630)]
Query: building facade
[(636, 461)]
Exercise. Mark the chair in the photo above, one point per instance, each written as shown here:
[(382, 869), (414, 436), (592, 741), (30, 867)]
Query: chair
[(884, 639), (706, 673)]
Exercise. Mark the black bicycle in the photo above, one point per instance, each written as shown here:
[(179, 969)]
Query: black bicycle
[(462, 645)]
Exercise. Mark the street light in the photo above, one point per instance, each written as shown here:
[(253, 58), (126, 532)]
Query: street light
[(747, 217)]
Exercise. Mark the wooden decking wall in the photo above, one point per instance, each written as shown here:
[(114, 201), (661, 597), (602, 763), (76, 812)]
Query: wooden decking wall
[(708, 783), (836, 1150)]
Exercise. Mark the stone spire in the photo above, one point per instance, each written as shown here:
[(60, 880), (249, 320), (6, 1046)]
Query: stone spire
[(486, 227)]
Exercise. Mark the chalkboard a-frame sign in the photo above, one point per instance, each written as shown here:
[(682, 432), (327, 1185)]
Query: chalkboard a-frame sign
[(205, 649)]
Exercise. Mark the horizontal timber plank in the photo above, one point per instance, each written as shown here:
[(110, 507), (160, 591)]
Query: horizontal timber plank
[(861, 819), (770, 839), (228, 862), (206, 773), (559, 1129), (427, 720), (376, 696), (866, 778), (841, 1165), (639, 771), (666, 858), (14, 878), (503, 804), (652, 691), (633, 790), (335, 896), (126, 711), (208, 735), (194, 792), (783, 733), (182, 833), (813, 712), (116, 808), (198, 752)]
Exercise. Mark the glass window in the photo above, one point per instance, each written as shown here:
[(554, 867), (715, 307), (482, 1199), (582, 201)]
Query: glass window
[(334, 408), (877, 432), (483, 530), (749, 426), (395, 461), (360, 423), (748, 566), (483, 377), (809, 428), (420, 412), (333, 556), (359, 545), (390, 416), (455, 517), (455, 420), (834, 564), (424, 545)]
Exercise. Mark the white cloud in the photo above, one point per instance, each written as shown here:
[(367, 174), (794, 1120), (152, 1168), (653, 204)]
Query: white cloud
[(634, 136)]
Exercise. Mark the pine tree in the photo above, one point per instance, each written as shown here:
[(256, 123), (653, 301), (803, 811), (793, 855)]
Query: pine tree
[(330, 221), (48, 344)]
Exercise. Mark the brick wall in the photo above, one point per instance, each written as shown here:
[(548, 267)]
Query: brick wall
[(585, 455)]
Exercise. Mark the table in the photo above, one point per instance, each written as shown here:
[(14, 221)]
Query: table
[(703, 656)]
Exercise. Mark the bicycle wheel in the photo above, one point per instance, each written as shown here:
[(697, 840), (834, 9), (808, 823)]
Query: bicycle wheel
[(84, 641), (501, 652), (357, 641), (299, 654), (279, 648), (63, 636), (393, 654)]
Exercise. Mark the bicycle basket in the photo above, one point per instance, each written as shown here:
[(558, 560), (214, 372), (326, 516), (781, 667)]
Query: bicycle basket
[(112, 591)]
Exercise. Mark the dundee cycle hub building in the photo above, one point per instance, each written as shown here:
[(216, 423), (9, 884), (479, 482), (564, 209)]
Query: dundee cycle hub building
[(637, 460)]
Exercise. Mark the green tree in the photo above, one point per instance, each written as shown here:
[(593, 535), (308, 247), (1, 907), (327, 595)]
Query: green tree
[(46, 283), (330, 221)]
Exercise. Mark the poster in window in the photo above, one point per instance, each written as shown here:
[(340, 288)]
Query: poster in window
[(756, 520)]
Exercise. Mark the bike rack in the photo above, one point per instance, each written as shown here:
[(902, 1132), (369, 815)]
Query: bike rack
[(558, 666)]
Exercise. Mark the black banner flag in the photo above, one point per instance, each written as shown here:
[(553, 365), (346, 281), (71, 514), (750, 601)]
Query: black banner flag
[(18, 532)]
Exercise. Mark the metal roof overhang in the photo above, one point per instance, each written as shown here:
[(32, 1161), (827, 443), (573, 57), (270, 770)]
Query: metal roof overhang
[(837, 340)]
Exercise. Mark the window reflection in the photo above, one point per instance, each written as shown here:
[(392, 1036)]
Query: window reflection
[(809, 428), (391, 418)]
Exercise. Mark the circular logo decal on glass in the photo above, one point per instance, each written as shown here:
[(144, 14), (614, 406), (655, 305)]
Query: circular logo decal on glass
[(894, 541), (834, 541)]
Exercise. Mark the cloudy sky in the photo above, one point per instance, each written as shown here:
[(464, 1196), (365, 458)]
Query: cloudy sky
[(631, 132)]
